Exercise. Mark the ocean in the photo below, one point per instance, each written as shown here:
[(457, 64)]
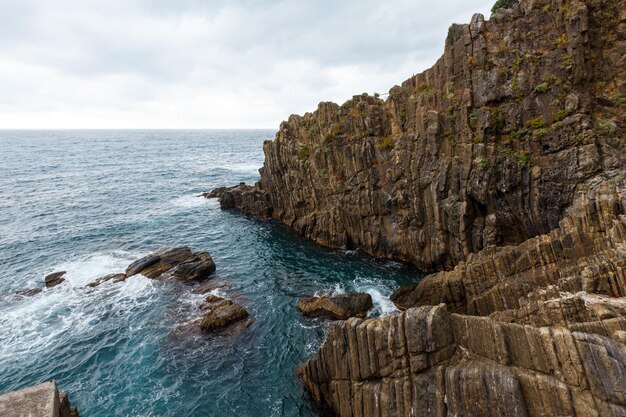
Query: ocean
[(89, 203)]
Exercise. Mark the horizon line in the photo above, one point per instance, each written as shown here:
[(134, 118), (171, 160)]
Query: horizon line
[(137, 128)]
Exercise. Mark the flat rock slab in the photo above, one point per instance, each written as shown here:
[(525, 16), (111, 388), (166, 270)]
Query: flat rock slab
[(340, 307), (181, 262), (38, 401)]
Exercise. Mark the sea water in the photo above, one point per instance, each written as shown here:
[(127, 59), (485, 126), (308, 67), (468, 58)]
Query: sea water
[(91, 202)]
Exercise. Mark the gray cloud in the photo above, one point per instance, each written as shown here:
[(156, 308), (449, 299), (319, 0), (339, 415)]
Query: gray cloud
[(158, 63)]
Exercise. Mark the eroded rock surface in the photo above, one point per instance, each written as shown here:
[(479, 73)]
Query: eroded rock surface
[(502, 167), (180, 262), (220, 313), (429, 362), (486, 148), (338, 307)]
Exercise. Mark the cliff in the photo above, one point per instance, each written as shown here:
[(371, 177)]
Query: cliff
[(501, 170), (485, 148)]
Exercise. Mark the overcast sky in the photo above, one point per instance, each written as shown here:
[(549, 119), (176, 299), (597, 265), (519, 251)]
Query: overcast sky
[(207, 64)]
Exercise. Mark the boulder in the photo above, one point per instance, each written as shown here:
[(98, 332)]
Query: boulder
[(54, 279), (340, 307), (198, 266), (180, 262), (220, 313)]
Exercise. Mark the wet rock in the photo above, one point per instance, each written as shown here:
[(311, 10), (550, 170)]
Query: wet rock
[(246, 198), (54, 279), (340, 307), (29, 292), (198, 266), (220, 313), (117, 277), (210, 285), (179, 262)]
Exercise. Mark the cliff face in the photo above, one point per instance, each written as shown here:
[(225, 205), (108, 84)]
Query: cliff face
[(543, 331), (502, 167), (485, 148)]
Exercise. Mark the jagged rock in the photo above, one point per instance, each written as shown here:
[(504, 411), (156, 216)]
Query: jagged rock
[(220, 313), (436, 363), (181, 262), (484, 149), (502, 167), (116, 277), (198, 266), (54, 279), (242, 197), (339, 307), (586, 253)]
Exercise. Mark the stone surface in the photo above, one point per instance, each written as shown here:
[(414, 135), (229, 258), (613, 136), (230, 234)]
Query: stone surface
[(437, 364), (179, 262), (43, 400), (54, 279), (501, 170), (486, 148), (116, 277), (220, 313), (339, 307), (197, 266), (586, 253)]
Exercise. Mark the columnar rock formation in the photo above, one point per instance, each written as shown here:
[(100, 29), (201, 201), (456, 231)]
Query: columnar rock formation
[(502, 167), (542, 331), (485, 148)]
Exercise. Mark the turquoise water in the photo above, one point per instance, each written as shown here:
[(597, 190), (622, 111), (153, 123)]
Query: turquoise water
[(91, 202)]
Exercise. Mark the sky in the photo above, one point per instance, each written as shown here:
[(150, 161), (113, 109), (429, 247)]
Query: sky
[(208, 64)]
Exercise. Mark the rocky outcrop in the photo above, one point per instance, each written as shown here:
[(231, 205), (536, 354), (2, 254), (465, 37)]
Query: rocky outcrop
[(338, 307), (179, 262), (501, 170), (220, 313), (586, 253), (429, 362), (486, 148)]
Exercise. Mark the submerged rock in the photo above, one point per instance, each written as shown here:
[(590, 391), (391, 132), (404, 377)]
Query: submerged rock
[(220, 313), (179, 262), (54, 279), (29, 292), (339, 307)]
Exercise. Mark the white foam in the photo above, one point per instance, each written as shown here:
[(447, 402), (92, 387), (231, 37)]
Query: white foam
[(34, 324), (380, 293), (83, 270), (382, 303), (189, 201), (244, 167)]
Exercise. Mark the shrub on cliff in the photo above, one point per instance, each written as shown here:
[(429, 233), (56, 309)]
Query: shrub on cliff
[(502, 3), (385, 143)]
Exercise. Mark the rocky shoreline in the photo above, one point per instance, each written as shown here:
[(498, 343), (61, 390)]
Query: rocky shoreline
[(501, 170)]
